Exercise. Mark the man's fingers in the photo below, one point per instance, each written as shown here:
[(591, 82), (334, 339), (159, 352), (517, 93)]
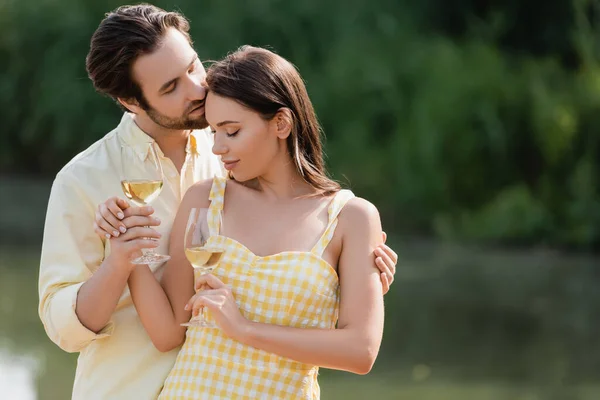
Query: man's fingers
[(383, 267), (386, 275), (114, 208), (389, 263), (122, 203), (391, 253), (385, 282), (139, 211), (140, 232), (136, 220)]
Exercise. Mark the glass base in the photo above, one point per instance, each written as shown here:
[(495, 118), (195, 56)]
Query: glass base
[(151, 258)]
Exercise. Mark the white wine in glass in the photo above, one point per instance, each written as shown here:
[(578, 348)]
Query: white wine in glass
[(142, 182), (143, 191), (203, 258)]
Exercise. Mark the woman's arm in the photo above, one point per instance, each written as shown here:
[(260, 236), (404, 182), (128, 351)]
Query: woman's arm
[(354, 345), (161, 305)]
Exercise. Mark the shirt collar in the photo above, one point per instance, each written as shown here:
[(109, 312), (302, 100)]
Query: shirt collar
[(140, 141), (192, 146)]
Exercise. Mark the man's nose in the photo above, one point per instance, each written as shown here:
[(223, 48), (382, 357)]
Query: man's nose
[(197, 91)]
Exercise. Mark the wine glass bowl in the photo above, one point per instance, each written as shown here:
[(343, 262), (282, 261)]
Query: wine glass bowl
[(203, 257), (142, 183)]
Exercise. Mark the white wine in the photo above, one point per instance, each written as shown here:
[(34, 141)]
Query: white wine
[(203, 258), (142, 192)]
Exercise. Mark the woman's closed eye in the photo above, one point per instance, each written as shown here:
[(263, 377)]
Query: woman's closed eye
[(232, 134)]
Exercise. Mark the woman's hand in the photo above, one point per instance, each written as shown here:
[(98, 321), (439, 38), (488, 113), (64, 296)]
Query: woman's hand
[(217, 297), (115, 217)]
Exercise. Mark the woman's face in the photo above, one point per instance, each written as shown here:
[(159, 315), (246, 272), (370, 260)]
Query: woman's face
[(246, 143)]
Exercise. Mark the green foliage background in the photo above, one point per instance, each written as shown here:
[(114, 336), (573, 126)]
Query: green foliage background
[(467, 120)]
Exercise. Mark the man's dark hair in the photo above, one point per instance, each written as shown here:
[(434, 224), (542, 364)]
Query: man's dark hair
[(125, 34)]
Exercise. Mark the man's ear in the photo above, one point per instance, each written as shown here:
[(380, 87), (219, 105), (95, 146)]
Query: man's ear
[(284, 122), (132, 105)]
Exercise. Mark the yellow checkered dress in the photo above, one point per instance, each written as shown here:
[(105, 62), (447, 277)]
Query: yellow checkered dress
[(292, 288)]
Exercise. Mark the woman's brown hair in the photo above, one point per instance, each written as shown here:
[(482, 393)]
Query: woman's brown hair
[(265, 83)]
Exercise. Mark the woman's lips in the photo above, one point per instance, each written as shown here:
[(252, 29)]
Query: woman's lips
[(229, 165)]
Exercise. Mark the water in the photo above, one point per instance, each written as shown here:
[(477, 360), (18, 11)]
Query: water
[(461, 323), (17, 376)]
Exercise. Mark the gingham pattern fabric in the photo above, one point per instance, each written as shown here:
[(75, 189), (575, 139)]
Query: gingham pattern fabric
[(292, 288)]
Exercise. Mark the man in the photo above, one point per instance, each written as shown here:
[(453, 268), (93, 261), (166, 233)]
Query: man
[(142, 57)]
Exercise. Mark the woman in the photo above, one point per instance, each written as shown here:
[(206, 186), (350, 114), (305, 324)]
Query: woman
[(299, 260)]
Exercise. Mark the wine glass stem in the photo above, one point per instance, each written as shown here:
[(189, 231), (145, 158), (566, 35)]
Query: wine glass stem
[(151, 251), (201, 315)]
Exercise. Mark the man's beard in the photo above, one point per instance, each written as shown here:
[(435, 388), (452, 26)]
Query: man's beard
[(180, 123)]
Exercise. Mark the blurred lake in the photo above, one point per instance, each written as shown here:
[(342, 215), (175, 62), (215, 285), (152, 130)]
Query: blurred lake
[(32, 367), (461, 322)]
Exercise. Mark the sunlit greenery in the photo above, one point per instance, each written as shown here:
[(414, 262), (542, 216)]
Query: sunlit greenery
[(458, 119)]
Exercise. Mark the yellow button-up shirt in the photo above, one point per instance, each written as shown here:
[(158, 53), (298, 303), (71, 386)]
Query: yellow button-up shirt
[(119, 362)]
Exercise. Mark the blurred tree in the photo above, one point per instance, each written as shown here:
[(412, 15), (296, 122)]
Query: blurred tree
[(468, 120)]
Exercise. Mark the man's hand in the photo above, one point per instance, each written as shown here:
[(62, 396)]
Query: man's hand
[(128, 228), (386, 260)]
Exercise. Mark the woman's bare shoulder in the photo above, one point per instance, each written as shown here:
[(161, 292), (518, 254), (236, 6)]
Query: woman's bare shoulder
[(359, 215), (198, 194)]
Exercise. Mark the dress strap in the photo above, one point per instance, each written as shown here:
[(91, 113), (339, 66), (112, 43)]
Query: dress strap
[(337, 204), (215, 210)]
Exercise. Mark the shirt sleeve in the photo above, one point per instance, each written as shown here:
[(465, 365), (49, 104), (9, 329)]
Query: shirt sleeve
[(71, 251)]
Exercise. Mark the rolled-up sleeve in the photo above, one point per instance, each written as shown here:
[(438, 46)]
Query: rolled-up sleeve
[(71, 251)]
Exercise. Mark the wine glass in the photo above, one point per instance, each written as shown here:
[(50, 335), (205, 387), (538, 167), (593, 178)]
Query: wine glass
[(203, 258), (142, 182)]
